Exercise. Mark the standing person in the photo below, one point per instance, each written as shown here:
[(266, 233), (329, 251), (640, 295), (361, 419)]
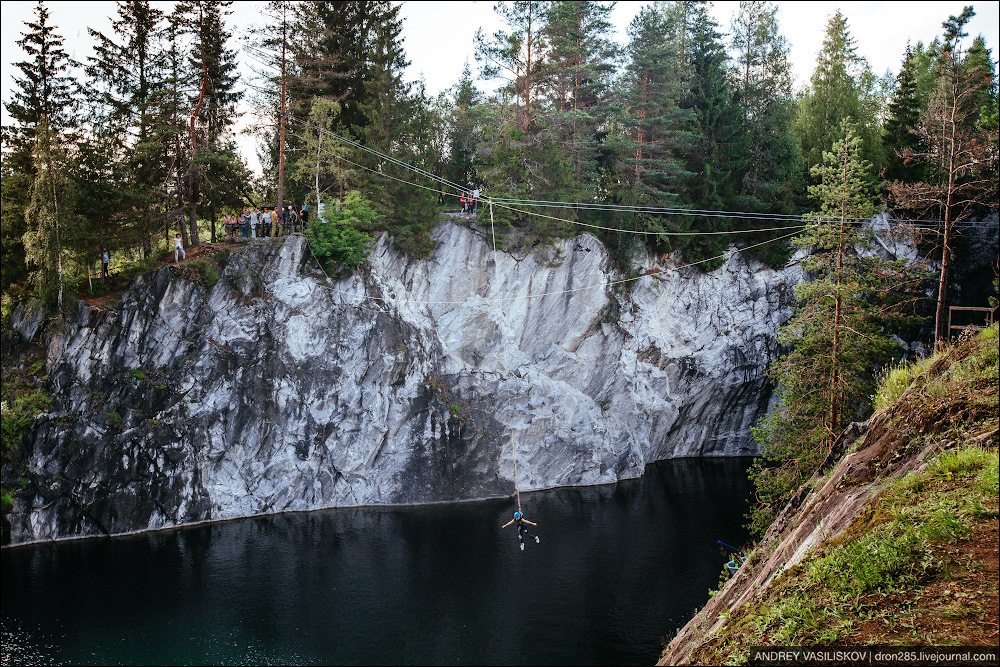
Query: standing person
[(179, 245), (304, 215), (521, 529), (475, 201), (265, 221), (105, 261), (461, 201), (253, 223), (292, 218)]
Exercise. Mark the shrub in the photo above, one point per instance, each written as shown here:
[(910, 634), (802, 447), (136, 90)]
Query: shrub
[(338, 237), (17, 412), (211, 276)]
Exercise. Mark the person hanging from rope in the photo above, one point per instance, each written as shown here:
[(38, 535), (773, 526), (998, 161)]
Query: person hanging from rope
[(522, 530)]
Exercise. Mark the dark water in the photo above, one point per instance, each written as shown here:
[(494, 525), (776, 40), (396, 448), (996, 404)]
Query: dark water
[(618, 568)]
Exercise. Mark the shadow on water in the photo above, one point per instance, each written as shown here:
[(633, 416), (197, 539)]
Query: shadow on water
[(619, 567)]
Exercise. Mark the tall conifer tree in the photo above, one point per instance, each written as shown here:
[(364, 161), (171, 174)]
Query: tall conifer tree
[(898, 136), (762, 86), (842, 87), (838, 333), (44, 89)]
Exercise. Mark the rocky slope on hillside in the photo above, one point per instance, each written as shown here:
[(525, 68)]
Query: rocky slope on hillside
[(892, 542), (275, 389)]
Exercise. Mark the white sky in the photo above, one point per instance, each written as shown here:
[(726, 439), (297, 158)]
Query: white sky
[(438, 36)]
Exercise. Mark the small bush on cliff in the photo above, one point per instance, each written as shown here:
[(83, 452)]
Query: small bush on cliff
[(17, 409), (339, 238)]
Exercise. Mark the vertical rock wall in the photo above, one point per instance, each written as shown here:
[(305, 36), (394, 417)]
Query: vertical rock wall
[(279, 390)]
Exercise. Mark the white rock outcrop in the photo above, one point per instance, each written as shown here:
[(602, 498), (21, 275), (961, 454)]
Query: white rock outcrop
[(280, 390)]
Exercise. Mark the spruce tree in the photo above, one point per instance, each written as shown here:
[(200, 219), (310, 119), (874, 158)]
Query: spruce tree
[(463, 130), (43, 89), (50, 214), (898, 136), (658, 129), (211, 107), (842, 87), (713, 159), (762, 87), (125, 92)]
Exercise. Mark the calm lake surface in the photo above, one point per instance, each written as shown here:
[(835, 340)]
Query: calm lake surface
[(619, 568)]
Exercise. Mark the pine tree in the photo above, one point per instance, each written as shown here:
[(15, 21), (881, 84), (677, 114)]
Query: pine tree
[(838, 331), (579, 64), (520, 160)]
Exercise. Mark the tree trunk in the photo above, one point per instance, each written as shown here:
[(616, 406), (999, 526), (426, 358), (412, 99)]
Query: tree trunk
[(211, 218)]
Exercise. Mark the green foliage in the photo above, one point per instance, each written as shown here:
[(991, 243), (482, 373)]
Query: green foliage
[(898, 136), (17, 410), (139, 374), (211, 276), (343, 238)]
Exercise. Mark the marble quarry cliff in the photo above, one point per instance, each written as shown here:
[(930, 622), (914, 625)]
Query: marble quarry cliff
[(409, 381)]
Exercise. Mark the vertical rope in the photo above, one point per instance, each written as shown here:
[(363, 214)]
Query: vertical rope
[(496, 276)]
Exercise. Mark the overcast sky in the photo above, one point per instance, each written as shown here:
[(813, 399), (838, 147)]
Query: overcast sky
[(438, 36)]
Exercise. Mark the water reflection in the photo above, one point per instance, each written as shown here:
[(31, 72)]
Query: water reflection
[(618, 568)]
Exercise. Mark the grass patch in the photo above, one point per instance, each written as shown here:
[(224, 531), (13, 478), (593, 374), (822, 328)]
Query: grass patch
[(843, 584), (897, 380)]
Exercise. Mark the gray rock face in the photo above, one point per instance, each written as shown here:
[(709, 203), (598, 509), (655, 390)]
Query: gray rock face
[(408, 382), (27, 318)]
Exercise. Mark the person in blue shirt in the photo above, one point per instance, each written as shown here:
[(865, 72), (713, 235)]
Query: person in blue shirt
[(522, 530)]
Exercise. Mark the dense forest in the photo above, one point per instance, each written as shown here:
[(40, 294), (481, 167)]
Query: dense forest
[(688, 138)]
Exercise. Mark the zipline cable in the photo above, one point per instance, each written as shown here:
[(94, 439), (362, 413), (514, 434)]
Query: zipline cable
[(500, 317), (592, 205), (542, 215)]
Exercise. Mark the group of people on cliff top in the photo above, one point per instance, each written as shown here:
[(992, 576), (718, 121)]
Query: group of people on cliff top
[(469, 201), (260, 222)]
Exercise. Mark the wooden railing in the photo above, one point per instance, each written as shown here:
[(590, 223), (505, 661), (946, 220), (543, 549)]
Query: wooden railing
[(952, 328)]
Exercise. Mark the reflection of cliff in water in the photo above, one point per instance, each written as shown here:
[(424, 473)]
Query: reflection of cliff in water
[(618, 567)]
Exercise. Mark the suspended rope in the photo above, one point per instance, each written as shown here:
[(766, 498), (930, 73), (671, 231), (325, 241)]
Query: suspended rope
[(601, 206), (510, 408)]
